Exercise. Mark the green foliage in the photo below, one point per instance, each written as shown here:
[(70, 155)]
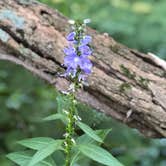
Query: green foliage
[(55, 117), (44, 146), (98, 154), (85, 139), (45, 152), (89, 131), (36, 143), (23, 158)]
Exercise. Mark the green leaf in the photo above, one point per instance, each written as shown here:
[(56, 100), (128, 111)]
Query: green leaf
[(90, 132), (75, 158), (63, 103), (23, 158), (98, 154), (85, 139), (36, 143), (56, 117), (45, 152)]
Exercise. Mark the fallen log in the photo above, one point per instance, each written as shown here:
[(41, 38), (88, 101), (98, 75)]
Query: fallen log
[(128, 85)]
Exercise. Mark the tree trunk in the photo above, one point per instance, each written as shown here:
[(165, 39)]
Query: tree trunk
[(125, 84)]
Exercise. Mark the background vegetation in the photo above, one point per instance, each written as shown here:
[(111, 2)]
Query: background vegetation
[(24, 99)]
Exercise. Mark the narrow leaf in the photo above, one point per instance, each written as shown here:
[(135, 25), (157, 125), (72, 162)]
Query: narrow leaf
[(36, 143), (85, 139), (63, 103), (56, 117), (90, 132), (75, 158), (45, 152), (99, 154), (23, 158)]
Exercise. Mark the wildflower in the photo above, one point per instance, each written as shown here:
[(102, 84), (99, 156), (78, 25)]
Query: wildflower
[(66, 134), (77, 53), (73, 141), (85, 65), (70, 50), (70, 36), (77, 118), (86, 40), (71, 22), (86, 21), (85, 50), (65, 111)]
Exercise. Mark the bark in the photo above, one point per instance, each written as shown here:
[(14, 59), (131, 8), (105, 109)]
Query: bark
[(125, 84)]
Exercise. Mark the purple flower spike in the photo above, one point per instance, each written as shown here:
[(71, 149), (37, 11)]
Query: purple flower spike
[(72, 61), (86, 65), (71, 36), (77, 53), (85, 50), (70, 51), (86, 40)]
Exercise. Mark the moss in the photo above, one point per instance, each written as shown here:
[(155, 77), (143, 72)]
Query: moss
[(143, 82), (125, 86), (127, 72), (164, 74), (4, 36), (10, 15), (115, 48)]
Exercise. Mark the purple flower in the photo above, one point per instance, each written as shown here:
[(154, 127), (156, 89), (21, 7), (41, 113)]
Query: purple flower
[(70, 71), (70, 50), (86, 40), (85, 50), (85, 65), (72, 61), (71, 36)]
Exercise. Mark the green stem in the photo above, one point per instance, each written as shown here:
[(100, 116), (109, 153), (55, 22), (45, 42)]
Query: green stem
[(70, 130), (72, 110)]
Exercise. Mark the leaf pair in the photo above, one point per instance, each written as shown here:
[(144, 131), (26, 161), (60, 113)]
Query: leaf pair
[(23, 158), (89, 147), (45, 147), (81, 125)]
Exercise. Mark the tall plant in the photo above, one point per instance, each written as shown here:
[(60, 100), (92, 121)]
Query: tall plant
[(75, 147)]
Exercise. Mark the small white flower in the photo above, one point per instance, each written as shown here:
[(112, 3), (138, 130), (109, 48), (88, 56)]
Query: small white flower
[(65, 92), (80, 28), (75, 101), (65, 111), (71, 22), (86, 21), (74, 142), (79, 118), (65, 143), (75, 117), (66, 134), (72, 87)]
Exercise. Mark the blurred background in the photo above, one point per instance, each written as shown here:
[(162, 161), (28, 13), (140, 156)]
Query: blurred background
[(24, 99)]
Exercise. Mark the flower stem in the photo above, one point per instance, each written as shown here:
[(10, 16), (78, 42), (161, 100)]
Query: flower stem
[(69, 141)]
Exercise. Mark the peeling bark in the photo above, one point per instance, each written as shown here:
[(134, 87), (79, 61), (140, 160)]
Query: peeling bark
[(125, 84)]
